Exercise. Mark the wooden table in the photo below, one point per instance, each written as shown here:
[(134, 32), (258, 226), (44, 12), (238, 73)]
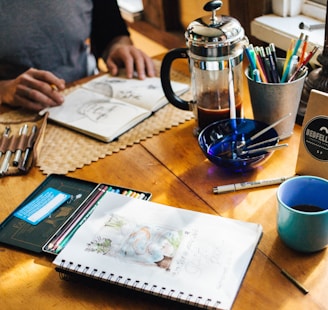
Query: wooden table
[(173, 168)]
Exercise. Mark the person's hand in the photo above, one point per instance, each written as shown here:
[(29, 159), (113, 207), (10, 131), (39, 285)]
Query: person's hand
[(34, 90), (122, 54)]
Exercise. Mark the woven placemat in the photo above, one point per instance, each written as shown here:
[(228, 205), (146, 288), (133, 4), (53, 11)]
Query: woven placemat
[(64, 150)]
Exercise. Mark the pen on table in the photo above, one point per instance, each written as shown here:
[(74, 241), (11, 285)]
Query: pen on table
[(298, 43), (80, 213), (53, 87), (251, 61), (5, 163), (251, 58), (273, 53), (273, 68), (250, 52), (29, 147), (294, 281), (261, 61), (294, 52), (266, 63), (288, 54), (264, 130), (304, 63), (256, 75), (292, 66), (74, 229), (22, 134), (258, 65), (311, 27), (245, 185), (269, 148), (231, 92), (304, 47), (6, 134), (309, 57)]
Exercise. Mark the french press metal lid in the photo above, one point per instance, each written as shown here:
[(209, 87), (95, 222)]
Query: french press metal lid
[(214, 35)]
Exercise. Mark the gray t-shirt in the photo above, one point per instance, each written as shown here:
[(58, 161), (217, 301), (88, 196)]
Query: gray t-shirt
[(45, 34)]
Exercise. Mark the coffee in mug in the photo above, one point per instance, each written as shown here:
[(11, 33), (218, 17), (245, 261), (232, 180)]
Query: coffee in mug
[(302, 220), (307, 208)]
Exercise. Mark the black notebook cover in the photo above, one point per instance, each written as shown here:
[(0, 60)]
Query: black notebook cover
[(19, 233)]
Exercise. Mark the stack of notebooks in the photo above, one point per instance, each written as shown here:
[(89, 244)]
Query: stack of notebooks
[(127, 240)]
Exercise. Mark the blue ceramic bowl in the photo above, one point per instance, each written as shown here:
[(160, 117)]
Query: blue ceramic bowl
[(229, 143)]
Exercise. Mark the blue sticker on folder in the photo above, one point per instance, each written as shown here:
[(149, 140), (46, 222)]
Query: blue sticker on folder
[(42, 206)]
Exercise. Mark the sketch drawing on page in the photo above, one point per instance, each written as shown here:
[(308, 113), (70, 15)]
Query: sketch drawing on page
[(94, 106), (98, 110), (142, 244), (134, 91)]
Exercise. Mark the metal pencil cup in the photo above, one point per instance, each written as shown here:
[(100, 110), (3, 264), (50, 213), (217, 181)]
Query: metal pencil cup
[(272, 101)]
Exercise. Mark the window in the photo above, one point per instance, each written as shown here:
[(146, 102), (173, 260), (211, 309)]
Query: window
[(283, 25), (314, 8), (323, 2)]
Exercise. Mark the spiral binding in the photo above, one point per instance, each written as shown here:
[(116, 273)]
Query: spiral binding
[(67, 271)]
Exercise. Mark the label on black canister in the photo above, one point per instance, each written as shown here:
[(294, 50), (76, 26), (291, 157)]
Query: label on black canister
[(315, 137)]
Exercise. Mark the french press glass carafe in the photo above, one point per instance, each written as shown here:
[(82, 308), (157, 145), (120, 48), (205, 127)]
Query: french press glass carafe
[(215, 45)]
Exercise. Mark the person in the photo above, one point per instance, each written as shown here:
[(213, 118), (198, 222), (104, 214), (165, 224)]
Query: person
[(46, 44)]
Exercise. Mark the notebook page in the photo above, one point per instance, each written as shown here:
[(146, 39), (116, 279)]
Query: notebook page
[(181, 253)]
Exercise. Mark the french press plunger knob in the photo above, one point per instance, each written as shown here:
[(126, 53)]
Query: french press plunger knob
[(213, 6)]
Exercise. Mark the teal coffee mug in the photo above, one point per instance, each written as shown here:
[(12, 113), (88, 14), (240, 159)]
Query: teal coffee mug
[(303, 213)]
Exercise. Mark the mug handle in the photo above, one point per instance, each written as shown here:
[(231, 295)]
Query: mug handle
[(165, 77)]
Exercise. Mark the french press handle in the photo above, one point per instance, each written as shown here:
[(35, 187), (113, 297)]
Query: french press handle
[(165, 78)]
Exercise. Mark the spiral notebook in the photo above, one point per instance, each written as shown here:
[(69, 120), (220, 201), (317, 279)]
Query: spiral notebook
[(181, 255)]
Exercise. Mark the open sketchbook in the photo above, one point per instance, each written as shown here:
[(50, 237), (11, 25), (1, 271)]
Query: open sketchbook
[(178, 254), (107, 106)]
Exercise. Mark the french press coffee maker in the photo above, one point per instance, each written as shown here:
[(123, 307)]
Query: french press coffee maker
[(215, 45)]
